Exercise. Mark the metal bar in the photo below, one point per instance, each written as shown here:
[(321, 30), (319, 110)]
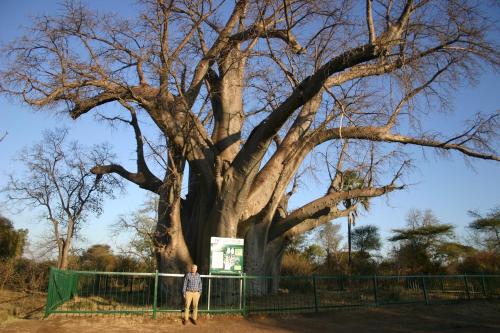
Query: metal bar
[(209, 293), (315, 294), (483, 284), (241, 292), (245, 295), (155, 294), (101, 311), (424, 288), (466, 286), (375, 289)]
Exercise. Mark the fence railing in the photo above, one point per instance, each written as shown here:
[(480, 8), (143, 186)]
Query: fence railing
[(81, 292)]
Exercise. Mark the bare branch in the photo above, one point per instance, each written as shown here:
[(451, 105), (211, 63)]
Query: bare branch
[(369, 22)]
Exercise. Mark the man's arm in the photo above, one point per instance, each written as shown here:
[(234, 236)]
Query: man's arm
[(184, 286)]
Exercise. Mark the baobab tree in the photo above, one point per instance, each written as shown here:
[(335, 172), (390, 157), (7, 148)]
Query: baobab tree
[(244, 92)]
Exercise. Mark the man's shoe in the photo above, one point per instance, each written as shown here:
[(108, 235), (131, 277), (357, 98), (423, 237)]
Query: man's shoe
[(194, 322), (183, 321)]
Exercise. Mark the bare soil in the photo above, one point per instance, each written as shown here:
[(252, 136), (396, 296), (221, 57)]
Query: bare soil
[(476, 316)]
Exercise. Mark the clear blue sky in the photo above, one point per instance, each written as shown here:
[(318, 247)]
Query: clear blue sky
[(448, 186)]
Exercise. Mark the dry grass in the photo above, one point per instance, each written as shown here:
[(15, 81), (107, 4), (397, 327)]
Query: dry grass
[(14, 304)]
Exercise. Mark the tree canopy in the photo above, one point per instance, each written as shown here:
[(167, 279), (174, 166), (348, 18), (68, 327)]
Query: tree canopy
[(12, 241)]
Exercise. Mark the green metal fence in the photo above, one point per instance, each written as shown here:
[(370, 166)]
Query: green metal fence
[(80, 292)]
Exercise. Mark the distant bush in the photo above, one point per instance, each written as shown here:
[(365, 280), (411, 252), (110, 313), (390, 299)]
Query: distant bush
[(296, 264)]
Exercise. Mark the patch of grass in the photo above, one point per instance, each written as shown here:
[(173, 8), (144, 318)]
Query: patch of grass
[(14, 304)]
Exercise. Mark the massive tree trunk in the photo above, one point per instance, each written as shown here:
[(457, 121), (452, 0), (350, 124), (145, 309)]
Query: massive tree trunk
[(172, 252)]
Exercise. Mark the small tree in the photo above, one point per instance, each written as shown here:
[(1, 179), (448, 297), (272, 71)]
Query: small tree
[(488, 227), (366, 239), (12, 241), (314, 253), (420, 243), (330, 239), (98, 257), (141, 224), (56, 177)]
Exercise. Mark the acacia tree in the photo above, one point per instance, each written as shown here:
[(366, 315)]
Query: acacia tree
[(366, 239), (423, 242), (56, 177), (489, 227), (243, 92)]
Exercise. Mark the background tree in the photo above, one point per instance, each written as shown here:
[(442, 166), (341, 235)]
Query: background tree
[(56, 177), (141, 224), (314, 253), (489, 227), (329, 238), (12, 241), (12, 244), (420, 243), (364, 240), (350, 181), (98, 257), (244, 93), (451, 255)]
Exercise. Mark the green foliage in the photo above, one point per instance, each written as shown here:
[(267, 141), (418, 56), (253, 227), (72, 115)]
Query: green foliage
[(98, 257), (296, 244), (314, 253), (24, 274), (12, 241), (421, 244), (363, 264), (422, 235), (366, 238), (488, 227), (483, 262), (141, 225), (351, 180)]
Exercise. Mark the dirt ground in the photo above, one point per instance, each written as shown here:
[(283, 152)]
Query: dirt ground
[(471, 317)]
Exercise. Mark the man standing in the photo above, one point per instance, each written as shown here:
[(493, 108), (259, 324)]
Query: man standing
[(191, 291)]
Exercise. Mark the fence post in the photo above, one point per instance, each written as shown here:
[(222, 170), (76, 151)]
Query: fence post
[(245, 309), (315, 294), (466, 286), (375, 289), (483, 284), (155, 294), (209, 292), (424, 288)]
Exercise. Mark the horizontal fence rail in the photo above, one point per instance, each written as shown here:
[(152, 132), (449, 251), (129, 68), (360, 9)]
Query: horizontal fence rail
[(82, 292)]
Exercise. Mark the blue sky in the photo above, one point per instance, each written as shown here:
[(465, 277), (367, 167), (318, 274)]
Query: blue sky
[(449, 186)]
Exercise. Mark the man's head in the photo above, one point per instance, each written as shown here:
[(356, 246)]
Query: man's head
[(194, 268)]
